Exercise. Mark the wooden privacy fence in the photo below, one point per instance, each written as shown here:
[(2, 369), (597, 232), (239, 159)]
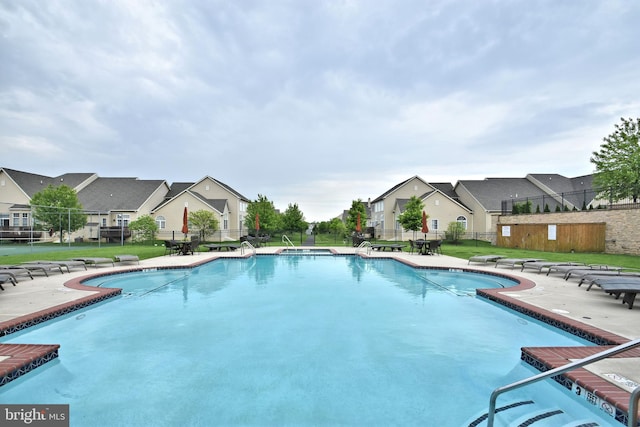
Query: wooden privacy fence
[(588, 237)]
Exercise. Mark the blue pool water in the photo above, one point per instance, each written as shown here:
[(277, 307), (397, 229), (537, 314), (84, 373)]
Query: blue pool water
[(294, 340)]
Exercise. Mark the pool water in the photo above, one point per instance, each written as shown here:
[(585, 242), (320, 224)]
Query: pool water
[(295, 340)]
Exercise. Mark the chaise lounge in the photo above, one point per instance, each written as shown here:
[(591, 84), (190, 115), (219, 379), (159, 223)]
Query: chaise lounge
[(127, 258), (66, 264), (44, 268), (15, 271), (512, 262), (4, 278), (485, 259), (629, 286), (96, 261), (540, 265)]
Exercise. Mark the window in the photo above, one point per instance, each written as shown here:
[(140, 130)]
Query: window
[(16, 220), (161, 222), (122, 220), (104, 222), (434, 224), (462, 220), (25, 219)]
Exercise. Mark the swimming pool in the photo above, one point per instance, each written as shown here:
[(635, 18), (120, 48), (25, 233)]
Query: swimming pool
[(295, 340)]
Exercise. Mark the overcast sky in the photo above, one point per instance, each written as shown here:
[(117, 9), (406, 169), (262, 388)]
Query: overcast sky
[(314, 102)]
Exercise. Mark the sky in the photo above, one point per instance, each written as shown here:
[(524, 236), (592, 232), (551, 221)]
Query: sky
[(313, 102)]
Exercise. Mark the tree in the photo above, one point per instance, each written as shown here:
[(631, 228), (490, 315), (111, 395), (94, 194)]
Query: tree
[(455, 231), (618, 161), (58, 208), (411, 218), (204, 222), (146, 227), (269, 218), (337, 227), (357, 207), (293, 219)]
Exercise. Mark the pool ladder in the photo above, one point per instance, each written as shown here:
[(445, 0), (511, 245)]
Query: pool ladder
[(632, 418), (362, 245), (248, 245), (287, 242)]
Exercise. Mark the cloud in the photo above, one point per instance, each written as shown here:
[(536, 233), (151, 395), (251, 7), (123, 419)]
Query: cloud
[(315, 103)]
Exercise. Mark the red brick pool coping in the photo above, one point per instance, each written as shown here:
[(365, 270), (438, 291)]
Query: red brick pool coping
[(22, 358)]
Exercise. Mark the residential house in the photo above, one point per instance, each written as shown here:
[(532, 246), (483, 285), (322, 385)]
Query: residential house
[(492, 197), (108, 202), (16, 190), (228, 206), (112, 203), (441, 205)]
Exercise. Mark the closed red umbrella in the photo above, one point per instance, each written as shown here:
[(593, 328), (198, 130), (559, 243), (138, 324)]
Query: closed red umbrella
[(425, 227), (185, 222), (257, 223), (358, 225)]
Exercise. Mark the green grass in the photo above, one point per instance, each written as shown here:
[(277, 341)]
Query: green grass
[(64, 253), (464, 250)]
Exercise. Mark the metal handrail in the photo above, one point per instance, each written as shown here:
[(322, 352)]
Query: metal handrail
[(556, 371), (632, 418), (286, 241), (362, 245), (248, 245)]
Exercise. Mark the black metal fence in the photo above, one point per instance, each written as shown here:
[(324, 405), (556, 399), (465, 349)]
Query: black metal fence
[(583, 200)]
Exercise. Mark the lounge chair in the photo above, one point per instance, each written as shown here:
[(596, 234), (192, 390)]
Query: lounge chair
[(66, 264), (15, 271), (127, 258), (587, 276), (95, 261), (44, 268), (515, 261), (629, 286), (598, 280), (4, 278), (484, 259), (570, 270), (539, 265)]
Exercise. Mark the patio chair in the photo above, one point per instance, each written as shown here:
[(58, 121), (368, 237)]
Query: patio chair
[(434, 247), (412, 246), (195, 242), (171, 247)]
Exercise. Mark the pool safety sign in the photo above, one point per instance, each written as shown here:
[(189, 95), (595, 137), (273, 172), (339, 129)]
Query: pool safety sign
[(34, 415), (593, 400)]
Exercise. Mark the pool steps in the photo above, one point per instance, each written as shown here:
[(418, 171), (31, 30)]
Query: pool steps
[(529, 413)]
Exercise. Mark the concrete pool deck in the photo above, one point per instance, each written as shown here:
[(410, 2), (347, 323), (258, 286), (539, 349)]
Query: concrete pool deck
[(549, 295)]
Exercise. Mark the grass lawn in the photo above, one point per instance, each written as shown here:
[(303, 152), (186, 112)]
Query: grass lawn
[(464, 250)]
